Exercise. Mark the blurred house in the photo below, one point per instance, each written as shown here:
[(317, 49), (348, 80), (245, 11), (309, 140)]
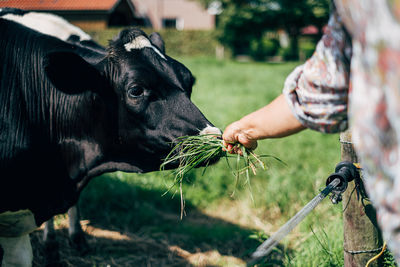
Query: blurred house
[(179, 14), (100, 14)]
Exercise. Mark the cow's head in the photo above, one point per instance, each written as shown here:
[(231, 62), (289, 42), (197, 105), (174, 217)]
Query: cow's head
[(147, 93)]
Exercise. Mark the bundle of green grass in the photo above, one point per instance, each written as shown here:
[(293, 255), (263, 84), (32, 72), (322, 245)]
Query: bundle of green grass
[(201, 150), (194, 151)]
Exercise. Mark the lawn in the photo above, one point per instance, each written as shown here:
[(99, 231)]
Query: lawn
[(133, 220)]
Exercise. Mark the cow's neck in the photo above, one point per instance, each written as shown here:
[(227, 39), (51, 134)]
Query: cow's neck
[(79, 137), (134, 163), (80, 156), (106, 167)]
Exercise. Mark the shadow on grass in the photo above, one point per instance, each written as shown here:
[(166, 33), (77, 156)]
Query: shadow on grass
[(132, 226)]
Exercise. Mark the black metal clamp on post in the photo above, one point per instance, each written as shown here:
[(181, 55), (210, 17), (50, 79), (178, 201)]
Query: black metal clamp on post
[(346, 172)]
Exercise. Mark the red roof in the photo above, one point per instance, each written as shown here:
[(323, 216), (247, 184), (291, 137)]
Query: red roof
[(309, 30), (59, 4)]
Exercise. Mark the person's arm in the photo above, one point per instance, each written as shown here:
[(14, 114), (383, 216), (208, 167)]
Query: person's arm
[(314, 96), (274, 120)]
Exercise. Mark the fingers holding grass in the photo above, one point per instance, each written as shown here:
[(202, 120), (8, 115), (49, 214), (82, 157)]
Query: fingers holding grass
[(234, 136), (237, 147)]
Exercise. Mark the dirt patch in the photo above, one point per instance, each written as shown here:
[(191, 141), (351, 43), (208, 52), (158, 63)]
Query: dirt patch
[(112, 248)]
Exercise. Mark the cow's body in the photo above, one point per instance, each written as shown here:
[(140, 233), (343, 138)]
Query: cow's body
[(58, 27), (68, 113)]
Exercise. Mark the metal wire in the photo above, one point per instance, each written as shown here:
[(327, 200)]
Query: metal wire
[(355, 252), (266, 247), (345, 142)]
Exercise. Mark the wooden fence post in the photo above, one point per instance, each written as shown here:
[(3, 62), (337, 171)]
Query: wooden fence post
[(361, 232)]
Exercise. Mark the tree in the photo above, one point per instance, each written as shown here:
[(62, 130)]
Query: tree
[(242, 21), (300, 13)]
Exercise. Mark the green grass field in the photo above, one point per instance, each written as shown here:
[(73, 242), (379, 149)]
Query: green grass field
[(220, 229), (225, 91)]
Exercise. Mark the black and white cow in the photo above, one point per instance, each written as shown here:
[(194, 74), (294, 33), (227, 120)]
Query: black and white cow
[(60, 28), (69, 113)]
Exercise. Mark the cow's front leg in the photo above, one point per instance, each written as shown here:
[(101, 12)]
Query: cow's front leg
[(17, 251), (76, 234), (51, 246), (48, 232)]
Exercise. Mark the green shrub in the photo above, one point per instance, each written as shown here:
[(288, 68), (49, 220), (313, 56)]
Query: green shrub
[(190, 42), (306, 48), (260, 49), (286, 53), (177, 43)]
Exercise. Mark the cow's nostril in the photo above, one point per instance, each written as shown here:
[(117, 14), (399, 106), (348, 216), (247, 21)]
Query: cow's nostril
[(210, 130)]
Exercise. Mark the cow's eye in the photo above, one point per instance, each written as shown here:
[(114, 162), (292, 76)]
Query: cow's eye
[(135, 92)]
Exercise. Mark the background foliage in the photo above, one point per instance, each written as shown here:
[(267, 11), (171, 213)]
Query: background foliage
[(242, 22), (205, 42), (248, 27)]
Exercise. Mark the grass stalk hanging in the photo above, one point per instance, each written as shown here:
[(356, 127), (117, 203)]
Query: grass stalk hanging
[(194, 151)]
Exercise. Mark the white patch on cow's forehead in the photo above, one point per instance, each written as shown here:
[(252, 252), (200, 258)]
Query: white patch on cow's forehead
[(210, 130), (141, 42), (138, 43)]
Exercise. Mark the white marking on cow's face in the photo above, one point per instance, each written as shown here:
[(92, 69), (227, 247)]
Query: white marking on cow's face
[(17, 251), (211, 130), (141, 42)]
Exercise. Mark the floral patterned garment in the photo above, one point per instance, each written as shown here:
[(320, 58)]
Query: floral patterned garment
[(361, 47)]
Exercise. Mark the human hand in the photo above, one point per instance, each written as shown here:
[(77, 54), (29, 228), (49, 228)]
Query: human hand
[(234, 134)]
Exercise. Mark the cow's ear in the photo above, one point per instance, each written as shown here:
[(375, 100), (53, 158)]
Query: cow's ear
[(157, 40), (70, 73)]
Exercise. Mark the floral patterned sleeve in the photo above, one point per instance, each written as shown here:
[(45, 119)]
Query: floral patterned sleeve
[(317, 91)]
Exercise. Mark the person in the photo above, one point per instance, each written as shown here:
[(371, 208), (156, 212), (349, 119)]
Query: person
[(353, 78)]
